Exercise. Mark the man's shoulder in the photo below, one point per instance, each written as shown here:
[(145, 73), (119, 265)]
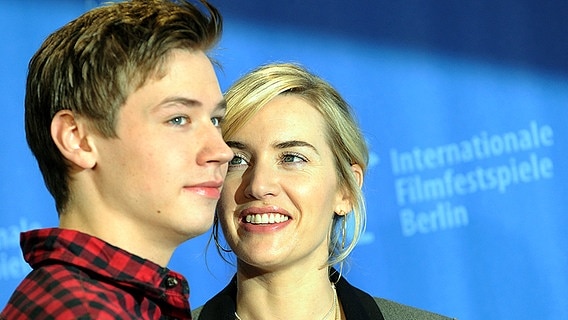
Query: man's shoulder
[(54, 277), (394, 310), (56, 288)]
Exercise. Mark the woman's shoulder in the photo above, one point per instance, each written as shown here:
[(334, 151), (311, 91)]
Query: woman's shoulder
[(196, 312), (391, 311), (394, 310)]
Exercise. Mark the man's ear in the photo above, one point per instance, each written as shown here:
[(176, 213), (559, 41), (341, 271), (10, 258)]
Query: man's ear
[(345, 205), (70, 134)]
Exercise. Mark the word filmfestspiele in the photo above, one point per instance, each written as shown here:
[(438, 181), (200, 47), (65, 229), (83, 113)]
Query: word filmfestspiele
[(413, 188)]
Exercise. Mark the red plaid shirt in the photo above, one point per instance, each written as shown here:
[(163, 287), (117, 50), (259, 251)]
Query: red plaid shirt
[(77, 276)]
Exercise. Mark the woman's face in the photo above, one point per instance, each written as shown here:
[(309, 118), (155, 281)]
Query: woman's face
[(281, 189)]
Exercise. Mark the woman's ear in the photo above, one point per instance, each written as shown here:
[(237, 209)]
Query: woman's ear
[(345, 205), (70, 134), (358, 172)]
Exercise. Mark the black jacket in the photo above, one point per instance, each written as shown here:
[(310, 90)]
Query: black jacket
[(356, 304)]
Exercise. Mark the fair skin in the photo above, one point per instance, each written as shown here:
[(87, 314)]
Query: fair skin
[(156, 184), (283, 178)]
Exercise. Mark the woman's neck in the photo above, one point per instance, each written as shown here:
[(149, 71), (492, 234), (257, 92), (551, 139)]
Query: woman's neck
[(285, 294)]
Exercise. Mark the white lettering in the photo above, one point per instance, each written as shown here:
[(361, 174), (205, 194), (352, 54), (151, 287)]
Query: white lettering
[(10, 235), (12, 267), (478, 147), (443, 217)]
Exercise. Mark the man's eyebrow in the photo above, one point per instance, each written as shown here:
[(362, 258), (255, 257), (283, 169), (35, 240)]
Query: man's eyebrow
[(220, 107), (181, 100)]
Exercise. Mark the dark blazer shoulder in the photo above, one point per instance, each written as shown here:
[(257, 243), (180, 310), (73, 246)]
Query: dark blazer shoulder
[(390, 310), (219, 307), (196, 312), (356, 304), (393, 310)]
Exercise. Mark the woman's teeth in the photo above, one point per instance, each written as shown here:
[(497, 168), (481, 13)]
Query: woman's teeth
[(266, 218)]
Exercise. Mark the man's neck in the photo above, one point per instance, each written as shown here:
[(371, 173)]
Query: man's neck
[(122, 235)]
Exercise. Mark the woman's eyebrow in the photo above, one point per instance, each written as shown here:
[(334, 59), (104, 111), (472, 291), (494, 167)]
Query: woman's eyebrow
[(279, 145), (294, 143), (236, 144)]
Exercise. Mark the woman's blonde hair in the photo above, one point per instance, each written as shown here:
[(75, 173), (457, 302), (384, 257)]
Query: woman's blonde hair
[(254, 90)]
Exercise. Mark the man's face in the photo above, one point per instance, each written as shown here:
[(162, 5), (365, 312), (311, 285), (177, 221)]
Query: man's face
[(163, 174)]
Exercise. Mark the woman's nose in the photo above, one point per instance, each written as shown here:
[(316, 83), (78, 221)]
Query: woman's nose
[(262, 181)]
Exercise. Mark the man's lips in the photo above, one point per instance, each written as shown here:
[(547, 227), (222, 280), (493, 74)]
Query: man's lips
[(209, 189)]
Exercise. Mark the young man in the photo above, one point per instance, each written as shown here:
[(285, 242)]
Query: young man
[(122, 113)]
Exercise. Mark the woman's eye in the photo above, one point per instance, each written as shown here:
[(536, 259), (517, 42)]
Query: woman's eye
[(179, 121), (293, 158), (237, 161)]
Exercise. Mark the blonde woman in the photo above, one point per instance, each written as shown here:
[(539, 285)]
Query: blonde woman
[(292, 188)]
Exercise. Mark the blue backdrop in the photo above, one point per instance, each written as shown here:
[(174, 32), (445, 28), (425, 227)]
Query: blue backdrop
[(464, 104)]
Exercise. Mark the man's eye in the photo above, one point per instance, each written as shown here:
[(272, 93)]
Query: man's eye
[(179, 120), (216, 121)]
